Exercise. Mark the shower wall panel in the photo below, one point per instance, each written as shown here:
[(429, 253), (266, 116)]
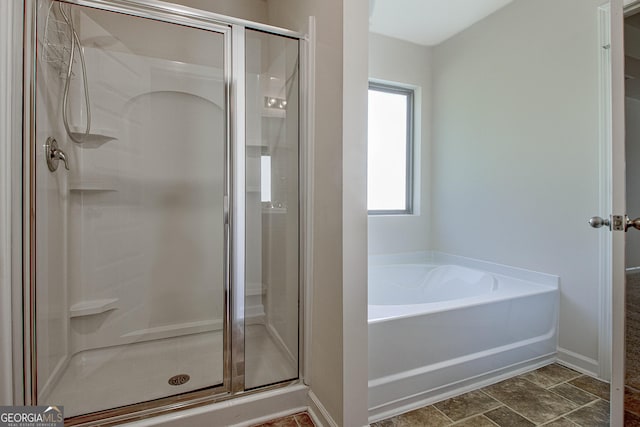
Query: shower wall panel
[(146, 206)]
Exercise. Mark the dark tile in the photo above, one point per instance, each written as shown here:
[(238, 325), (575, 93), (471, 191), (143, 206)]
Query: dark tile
[(533, 402), (562, 422), (631, 420), (593, 415), (304, 420), (550, 375), (466, 405), (593, 386), (505, 417), (477, 421), (632, 401), (573, 393), (389, 422), (423, 417)]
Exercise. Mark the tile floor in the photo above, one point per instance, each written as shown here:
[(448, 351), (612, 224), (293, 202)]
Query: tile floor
[(552, 396), (297, 420)]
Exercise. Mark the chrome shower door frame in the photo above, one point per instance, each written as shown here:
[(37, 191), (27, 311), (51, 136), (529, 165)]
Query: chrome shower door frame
[(234, 207)]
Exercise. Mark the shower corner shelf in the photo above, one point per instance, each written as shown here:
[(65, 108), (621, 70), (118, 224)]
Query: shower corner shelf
[(96, 137), (91, 307)]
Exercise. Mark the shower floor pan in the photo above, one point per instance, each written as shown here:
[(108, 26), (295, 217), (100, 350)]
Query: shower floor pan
[(107, 378)]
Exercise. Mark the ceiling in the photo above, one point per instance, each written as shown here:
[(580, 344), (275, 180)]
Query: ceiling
[(428, 22)]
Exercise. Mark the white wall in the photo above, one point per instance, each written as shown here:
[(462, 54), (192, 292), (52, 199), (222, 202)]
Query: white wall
[(632, 124), (396, 61), (515, 155), (354, 213)]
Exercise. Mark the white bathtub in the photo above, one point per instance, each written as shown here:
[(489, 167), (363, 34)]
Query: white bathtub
[(441, 324)]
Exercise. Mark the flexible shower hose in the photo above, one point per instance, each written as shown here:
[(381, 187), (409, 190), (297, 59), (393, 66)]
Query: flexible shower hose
[(75, 42)]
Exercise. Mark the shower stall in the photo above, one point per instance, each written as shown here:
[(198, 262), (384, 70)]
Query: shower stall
[(162, 162)]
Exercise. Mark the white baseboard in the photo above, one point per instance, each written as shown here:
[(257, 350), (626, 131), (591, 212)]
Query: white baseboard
[(578, 362), (319, 413)]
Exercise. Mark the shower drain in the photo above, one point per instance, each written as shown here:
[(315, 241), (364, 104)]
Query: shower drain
[(179, 379)]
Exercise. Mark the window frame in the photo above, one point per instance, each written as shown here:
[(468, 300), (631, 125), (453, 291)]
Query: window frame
[(409, 93)]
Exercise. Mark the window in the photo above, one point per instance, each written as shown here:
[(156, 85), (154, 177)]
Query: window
[(390, 147), (265, 178)]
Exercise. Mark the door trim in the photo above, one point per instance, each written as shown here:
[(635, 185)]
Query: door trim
[(604, 193), (618, 198)]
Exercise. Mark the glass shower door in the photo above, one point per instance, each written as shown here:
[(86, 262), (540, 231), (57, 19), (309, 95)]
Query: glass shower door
[(131, 242), (272, 209)]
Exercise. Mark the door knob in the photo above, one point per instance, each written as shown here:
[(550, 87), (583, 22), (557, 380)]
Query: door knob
[(635, 223), (620, 223), (597, 222)]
